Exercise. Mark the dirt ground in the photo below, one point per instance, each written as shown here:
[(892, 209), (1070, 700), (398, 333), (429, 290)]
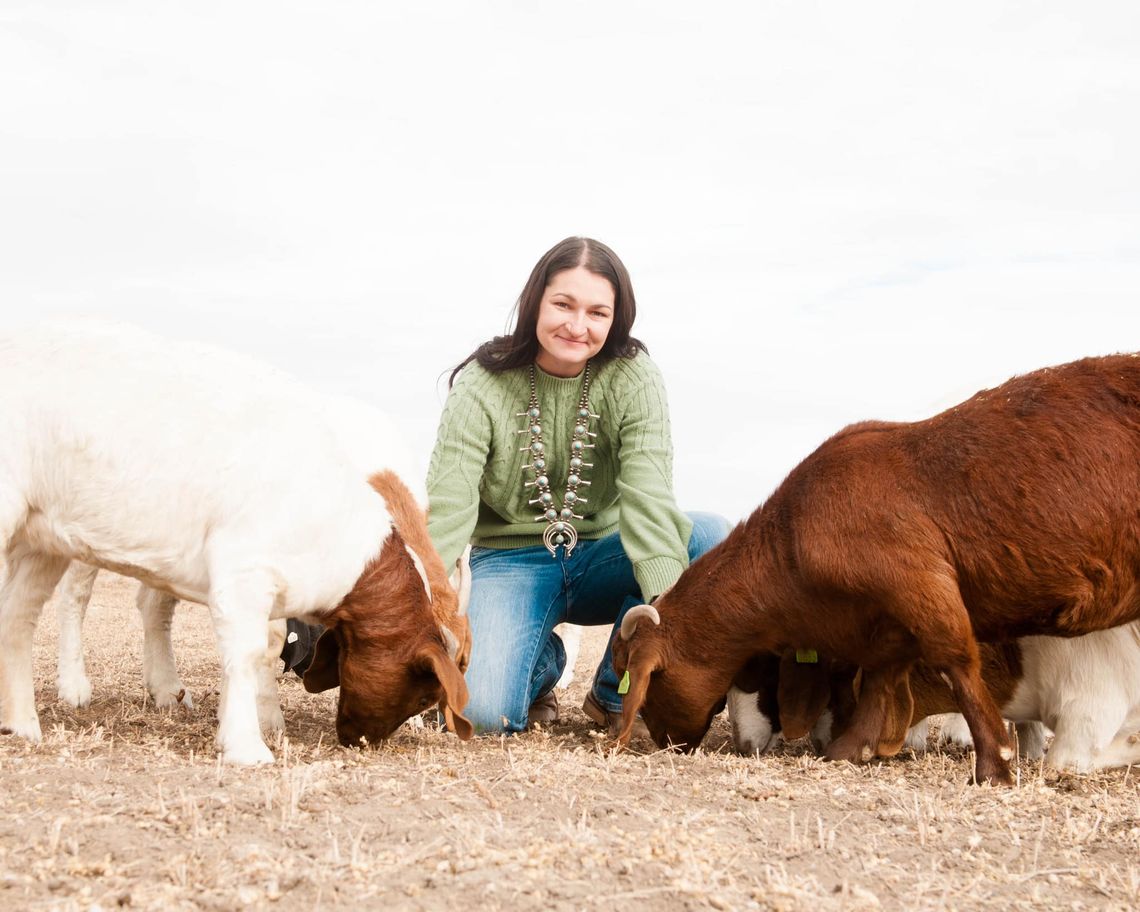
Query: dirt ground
[(123, 806)]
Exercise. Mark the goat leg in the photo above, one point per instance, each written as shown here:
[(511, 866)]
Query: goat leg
[(160, 675), (31, 577), (860, 739)]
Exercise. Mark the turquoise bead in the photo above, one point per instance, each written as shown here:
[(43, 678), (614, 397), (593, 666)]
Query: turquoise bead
[(575, 462), (567, 513), (552, 514), (573, 480), (537, 447), (539, 464), (542, 481), (535, 429), (576, 445), (579, 430), (546, 497), (534, 413), (571, 497), (583, 413)]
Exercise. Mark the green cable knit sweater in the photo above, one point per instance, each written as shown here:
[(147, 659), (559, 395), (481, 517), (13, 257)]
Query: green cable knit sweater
[(475, 479)]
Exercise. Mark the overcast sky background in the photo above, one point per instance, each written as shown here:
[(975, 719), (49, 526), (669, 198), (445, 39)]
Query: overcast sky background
[(831, 211)]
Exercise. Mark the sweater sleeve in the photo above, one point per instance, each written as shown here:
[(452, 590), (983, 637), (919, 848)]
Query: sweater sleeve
[(654, 532), (458, 461)]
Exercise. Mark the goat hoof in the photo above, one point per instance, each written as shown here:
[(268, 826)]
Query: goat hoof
[(30, 731), (272, 722), (848, 749), (171, 697), (76, 694), (996, 776), (258, 755)]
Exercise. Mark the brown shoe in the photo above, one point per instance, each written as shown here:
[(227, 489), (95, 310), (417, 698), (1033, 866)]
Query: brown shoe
[(611, 721), (543, 710)]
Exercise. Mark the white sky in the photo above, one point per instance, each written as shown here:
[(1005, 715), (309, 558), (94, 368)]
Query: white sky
[(831, 211)]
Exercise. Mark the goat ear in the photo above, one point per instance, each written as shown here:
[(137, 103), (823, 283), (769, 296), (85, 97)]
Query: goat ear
[(802, 694), (454, 696), (323, 672), (900, 708), (644, 660)]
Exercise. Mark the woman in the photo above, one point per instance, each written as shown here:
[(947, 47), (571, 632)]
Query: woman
[(553, 459)]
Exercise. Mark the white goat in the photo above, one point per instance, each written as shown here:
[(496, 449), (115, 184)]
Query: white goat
[(1086, 689), (218, 480)]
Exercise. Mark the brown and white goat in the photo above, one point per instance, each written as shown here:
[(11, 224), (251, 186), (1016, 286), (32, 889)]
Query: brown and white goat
[(1086, 689), (1013, 513), (222, 481)]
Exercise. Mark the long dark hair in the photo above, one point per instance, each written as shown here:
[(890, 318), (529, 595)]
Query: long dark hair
[(521, 346)]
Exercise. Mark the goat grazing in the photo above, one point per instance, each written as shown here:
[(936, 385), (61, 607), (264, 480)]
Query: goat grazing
[(1013, 513), (256, 499)]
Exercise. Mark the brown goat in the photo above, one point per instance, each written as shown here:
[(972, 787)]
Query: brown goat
[(410, 665), (1010, 514)]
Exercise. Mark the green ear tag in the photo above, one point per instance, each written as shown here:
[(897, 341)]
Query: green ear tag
[(623, 687), (806, 657)]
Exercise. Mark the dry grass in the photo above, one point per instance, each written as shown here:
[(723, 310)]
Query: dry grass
[(124, 806)]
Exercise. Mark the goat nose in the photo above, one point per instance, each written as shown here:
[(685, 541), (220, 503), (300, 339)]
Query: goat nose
[(348, 733)]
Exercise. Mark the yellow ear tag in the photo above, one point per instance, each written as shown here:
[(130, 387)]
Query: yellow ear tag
[(806, 657), (623, 687)]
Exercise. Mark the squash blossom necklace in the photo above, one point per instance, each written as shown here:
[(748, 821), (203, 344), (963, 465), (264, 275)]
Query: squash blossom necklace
[(560, 529)]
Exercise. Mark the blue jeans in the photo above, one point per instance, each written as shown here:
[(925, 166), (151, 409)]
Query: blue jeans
[(518, 595)]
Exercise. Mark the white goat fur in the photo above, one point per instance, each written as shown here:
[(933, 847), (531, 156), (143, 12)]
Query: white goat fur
[(1086, 689), (204, 475)]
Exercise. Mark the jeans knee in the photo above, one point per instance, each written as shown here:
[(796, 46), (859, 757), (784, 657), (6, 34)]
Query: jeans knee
[(490, 714), (709, 530)]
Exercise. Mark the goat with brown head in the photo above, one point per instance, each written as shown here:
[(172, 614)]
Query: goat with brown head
[(1010, 514), (398, 642)]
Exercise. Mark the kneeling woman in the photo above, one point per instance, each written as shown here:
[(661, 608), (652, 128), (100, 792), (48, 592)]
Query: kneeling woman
[(553, 460)]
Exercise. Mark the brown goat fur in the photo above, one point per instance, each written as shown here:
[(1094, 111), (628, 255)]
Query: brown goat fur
[(793, 697), (411, 520), (1001, 672), (384, 647), (1012, 513)]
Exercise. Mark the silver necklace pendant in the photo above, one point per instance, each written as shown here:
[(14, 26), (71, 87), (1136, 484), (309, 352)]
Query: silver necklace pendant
[(560, 531)]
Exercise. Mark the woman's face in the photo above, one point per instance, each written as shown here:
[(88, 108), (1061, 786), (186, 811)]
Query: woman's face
[(574, 319)]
